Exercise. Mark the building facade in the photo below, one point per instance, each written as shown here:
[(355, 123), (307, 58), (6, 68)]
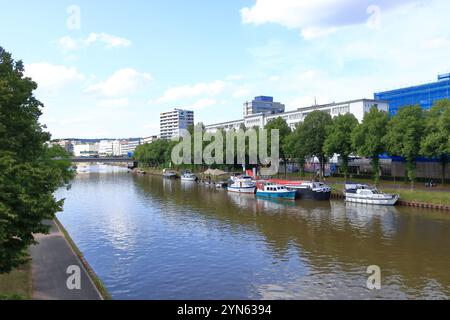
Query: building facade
[(150, 139), (86, 150), (424, 95), (262, 104), (356, 107), (172, 122)]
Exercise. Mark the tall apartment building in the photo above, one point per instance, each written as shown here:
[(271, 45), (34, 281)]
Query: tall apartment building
[(172, 122), (262, 104), (424, 95)]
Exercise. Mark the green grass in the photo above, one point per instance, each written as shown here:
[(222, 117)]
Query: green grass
[(98, 283), (436, 197), (17, 284)]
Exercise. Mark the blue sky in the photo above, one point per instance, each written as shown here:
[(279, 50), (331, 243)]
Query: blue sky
[(125, 62)]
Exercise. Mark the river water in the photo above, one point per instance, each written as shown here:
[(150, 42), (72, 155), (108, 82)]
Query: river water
[(149, 238)]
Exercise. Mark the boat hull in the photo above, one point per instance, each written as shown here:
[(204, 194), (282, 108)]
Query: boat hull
[(189, 179), (247, 190), (307, 194), (388, 201), (276, 195)]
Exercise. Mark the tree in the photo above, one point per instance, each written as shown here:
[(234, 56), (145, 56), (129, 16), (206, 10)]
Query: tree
[(312, 135), (403, 137), (367, 138), (30, 170), (339, 139), (436, 141), (285, 131), (296, 150)]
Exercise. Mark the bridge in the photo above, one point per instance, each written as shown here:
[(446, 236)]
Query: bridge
[(103, 160)]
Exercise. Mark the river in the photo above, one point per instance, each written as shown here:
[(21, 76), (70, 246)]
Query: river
[(149, 238)]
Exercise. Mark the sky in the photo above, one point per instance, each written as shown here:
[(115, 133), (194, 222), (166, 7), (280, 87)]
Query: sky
[(107, 68)]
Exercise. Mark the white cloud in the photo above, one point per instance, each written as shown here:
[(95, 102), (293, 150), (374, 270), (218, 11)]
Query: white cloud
[(435, 43), (52, 77), (68, 43), (191, 91), (122, 82), (315, 18), (110, 40), (202, 103), (114, 103)]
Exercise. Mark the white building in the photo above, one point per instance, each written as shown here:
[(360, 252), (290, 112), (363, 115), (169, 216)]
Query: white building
[(128, 146), (173, 121), (262, 104), (356, 107), (86, 150), (105, 148), (150, 139)]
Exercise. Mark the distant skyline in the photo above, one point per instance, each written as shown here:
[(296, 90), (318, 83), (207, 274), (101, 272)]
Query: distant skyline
[(108, 68)]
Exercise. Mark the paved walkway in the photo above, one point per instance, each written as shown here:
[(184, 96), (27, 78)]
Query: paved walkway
[(51, 258)]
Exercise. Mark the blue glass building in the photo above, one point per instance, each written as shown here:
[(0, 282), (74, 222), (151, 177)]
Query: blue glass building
[(424, 95)]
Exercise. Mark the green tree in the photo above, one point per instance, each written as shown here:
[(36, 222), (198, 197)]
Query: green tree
[(295, 149), (312, 135), (368, 137), (436, 141), (403, 137), (30, 170), (284, 131), (339, 139)]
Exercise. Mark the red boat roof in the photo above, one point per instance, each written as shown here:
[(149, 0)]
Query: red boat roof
[(286, 182)]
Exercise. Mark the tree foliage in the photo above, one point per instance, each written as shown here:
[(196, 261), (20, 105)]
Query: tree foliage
[(368, 137), (311, 136), (30, 171), (436, 140), (403, 136), (339, 139)]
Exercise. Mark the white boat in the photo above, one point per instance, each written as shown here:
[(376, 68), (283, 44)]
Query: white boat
[(244, 184), (169, 174), (188, 177), (360, 193)]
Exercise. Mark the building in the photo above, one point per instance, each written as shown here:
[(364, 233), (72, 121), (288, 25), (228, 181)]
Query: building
[(262, 104), (127, 147), (356, 107), (150, 139), (105, 148), (172, 122), (65, 144), (86, 150), (424, 95)]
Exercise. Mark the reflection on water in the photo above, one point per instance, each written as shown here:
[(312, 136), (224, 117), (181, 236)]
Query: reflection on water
[(149, 238)]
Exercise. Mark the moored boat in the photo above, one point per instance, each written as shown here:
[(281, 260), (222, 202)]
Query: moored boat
[(308, 190), (360, 193), (243, 184), (272, 190), (188, 177), (169, 174)]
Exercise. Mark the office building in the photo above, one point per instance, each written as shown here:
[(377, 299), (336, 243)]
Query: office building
[(86, 150), (356, 107), (262, 104), (172, 122), (424, 95)]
